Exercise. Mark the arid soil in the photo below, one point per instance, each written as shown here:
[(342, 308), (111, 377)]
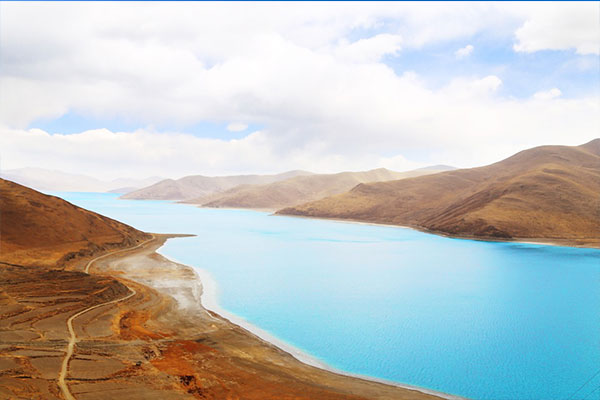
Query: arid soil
[(41, 230), (548, 193), (133, 326), (158, 344)]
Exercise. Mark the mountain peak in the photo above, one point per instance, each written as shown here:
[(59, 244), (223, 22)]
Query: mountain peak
[(543, 192), (593, 146)]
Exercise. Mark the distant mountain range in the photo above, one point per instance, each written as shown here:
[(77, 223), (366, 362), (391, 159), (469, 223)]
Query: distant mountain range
[(195, 186), (544, 192), (300, 189), (44, 179)]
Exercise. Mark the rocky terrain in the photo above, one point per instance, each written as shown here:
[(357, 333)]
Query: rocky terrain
[(549, 192), (119, 320)]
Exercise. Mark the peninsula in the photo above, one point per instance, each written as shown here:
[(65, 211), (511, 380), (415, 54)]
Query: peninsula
[(90, 310), (547, 193)]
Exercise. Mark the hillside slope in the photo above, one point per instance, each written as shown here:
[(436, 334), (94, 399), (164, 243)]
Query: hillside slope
[(550, 192), (194, 186), (45, 230), (140, 342), (300, 189)]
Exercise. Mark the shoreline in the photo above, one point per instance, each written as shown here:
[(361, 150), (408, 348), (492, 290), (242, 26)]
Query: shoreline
[(587, 243), (590, 243), (208, 301)]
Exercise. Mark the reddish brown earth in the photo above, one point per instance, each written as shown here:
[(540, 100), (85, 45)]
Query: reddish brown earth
[(550, 193), (37, 229), (158, 343)]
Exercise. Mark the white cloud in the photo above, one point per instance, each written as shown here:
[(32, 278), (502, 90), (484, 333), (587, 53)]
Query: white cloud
[(548, 95), (464, 51), (561, 26), (107, 154), (474, 89), (371, 49), (237, 127), (488, 84), (311, 74), (406, 118)]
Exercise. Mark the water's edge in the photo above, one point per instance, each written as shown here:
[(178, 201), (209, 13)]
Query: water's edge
[(385, 301), (208, 300), (589, 243)]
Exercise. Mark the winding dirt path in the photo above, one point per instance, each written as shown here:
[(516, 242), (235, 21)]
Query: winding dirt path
[(73, 337), (87, 267)]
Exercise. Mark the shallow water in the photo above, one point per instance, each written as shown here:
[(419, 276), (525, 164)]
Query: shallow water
[(477, 319)]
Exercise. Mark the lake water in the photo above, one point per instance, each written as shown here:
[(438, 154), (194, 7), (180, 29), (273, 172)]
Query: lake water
[(476, 319)]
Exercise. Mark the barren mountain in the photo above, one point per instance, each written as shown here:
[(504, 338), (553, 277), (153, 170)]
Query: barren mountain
[(301, 189), (550, 192), (45, 230), (194, 186)]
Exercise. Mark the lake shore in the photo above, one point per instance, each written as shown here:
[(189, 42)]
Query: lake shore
[(198, 307), (592, 243), (208, 300), (141, 332)]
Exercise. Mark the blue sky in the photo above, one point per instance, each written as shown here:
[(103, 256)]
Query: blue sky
[(522, 75), (218, 88), (73, 123)]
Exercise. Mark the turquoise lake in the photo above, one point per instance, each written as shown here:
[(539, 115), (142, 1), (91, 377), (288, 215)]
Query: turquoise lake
[(477, 319)]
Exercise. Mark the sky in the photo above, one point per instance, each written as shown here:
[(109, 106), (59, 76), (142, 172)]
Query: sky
[(172, 89)]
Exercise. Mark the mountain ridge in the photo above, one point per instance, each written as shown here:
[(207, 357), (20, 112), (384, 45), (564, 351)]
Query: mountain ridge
[(545, 192), (43, 230), (199, 185), (299, 189), (55, 180)]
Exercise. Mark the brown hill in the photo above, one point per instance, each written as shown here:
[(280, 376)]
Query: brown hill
[(47, 231), (131, 339), (550, 192), (194, 186), (301, 189)]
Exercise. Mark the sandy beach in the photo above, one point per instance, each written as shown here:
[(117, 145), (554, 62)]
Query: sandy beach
[(197, 296), (207, 288)]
